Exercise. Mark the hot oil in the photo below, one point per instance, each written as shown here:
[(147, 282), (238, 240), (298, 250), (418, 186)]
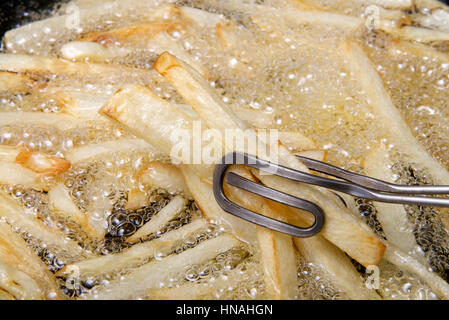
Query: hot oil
[(282, 69)]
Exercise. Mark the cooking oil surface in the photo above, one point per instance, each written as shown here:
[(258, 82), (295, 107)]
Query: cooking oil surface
[(277, 67)]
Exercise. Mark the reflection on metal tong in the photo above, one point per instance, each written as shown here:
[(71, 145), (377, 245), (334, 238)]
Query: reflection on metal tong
[(352, 183)]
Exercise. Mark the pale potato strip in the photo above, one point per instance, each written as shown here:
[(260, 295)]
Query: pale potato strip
[(62, 67), (297, 141), (415, 33), (79, 104), (97, 150), (409, 263), (166, 176), (151, 274), (15, 252), (15, 174), (319, 155), (92, 51), (360, 242), (199, 291), (134, 256), (337, 266), (28, 222), (393, 218), (10, 153), (61, 202), (57, 27), (60, 121), (18, 284), (381, 102), (390, 4), (160, 219)]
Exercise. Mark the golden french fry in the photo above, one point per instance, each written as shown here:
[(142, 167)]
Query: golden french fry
[(134, 256), (160, 219), (148, 276)]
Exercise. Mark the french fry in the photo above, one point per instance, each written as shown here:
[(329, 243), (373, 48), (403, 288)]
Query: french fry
[(166, 176), (61, 67), (18, 40), (28, 222), (392, 217), (18, 285), (198, 291), (150, 275), (415, 33), (134, 256), (15, 174), (94, 151), (169, 212), (359, 241), (381, 102), (319, 155), (83, 50), (297, 141), (60, 201), (40, 163), (406, 262), (60, 121), (15, 253)]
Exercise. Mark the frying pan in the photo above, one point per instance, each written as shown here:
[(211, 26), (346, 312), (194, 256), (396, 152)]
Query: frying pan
[(18, 12)]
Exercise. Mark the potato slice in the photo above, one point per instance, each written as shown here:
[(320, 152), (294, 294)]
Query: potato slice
[(134, 256), (166, 176), (168, 213), (97, 150), (15, 253), (149, 276), (27, 221), (60, 201)]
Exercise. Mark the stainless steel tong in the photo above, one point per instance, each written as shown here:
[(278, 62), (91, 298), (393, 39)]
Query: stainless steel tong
[(352, 183)]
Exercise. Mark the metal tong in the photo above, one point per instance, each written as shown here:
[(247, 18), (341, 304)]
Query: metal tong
[(352, 183)]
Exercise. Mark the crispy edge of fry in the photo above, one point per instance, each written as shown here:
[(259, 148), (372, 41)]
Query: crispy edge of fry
[(167, 213), (392, 217), (384, 107), (15, 252), (166, 176), (277, 251), (150, 274), (340, 227), (94, 151), (60, 201), (28, 222), (133, 256)]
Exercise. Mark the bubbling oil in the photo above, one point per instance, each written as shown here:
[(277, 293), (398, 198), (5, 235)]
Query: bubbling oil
[(277, 67)]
